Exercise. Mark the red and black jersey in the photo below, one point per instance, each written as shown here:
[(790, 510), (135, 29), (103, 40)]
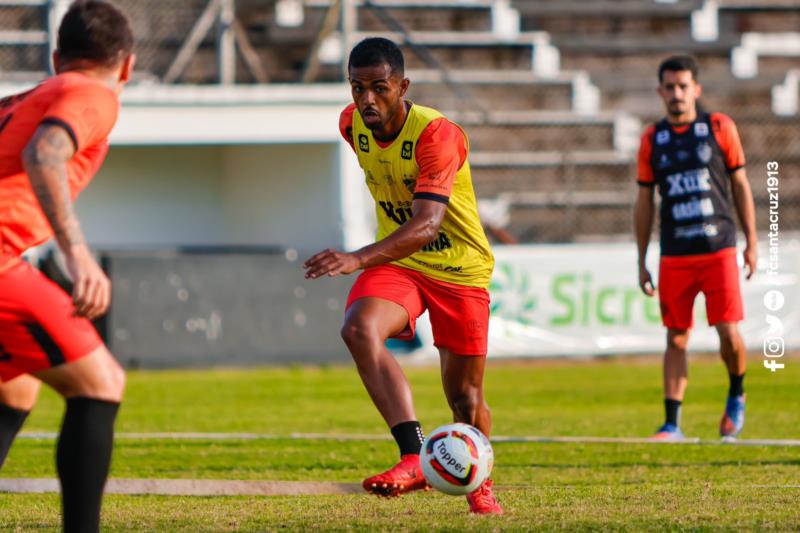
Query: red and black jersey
[(691, 166)]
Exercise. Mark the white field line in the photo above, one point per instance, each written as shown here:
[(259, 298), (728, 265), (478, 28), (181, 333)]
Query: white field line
[(371, 437), (190, 487), (219, 487)]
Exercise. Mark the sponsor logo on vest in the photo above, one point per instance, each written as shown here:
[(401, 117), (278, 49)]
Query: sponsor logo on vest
[(704, 152), (441, 243), (363, 142), (405, 152), (664, 162), (700, 129), (683, 155), (696, 230), (398, 214), (691, 181), (695, 208), (662, 137), (438, 266)]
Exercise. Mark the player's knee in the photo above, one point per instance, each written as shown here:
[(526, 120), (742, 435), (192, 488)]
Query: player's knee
[(100, 376), (358, 333), (117, 380), (679, 344), (20, 393), (728, 334), (678, 340), (465, 404), (107, 383)]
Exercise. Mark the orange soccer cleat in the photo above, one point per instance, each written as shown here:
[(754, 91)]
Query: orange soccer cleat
[(482, 500), (405, 476)]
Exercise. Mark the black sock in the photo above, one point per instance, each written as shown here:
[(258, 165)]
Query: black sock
[(408, 436), (11, 421), (83, 457), (737, 385), (673, 410)]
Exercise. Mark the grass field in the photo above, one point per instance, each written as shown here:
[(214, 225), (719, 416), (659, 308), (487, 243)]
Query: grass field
[(544, 486)]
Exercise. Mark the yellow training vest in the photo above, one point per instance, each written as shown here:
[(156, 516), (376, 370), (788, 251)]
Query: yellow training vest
[(461, 254)]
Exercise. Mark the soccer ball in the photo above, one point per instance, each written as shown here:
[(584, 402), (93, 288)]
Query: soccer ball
[(456, 459)]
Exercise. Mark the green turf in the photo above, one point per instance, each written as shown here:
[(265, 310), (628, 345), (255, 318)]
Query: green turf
[(614, 397), (673, 507), (588, 487)]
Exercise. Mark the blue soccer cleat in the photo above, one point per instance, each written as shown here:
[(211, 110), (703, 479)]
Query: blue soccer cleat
[(732, 421), (668, 433)]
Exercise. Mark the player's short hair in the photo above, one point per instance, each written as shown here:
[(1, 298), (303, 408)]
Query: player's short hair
[(677, 64), (374, 51), (95, 30)]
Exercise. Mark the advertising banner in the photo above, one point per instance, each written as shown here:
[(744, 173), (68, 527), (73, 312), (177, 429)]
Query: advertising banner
[(583, 299)]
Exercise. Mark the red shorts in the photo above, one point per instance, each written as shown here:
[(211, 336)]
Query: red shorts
[(715, 275), (37, 326), (459, 314)]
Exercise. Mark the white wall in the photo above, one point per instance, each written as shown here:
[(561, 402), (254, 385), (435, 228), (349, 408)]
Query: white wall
[(259, 195), (154, 196), (282, 194)]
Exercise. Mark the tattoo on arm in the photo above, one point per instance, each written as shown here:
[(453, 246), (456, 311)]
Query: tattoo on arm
[(45, 161)]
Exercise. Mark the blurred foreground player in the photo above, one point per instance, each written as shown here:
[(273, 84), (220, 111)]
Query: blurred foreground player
[(53, 139), (697, 162), (431, 253)]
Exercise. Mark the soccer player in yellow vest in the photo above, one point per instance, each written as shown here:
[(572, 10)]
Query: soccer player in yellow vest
[(431, 253)]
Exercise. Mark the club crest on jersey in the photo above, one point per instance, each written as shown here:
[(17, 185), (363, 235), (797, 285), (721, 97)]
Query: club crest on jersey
[(405, 152), (363, 142), (704, 152), (662, 137), (700, 129)]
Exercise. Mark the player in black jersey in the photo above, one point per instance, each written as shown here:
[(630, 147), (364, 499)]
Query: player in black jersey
[(696, 161)]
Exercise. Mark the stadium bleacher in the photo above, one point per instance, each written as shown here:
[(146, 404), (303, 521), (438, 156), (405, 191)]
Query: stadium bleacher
[(553, 94)]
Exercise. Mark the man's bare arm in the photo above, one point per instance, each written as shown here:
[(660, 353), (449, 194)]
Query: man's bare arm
[(643, 211), (409, 238), (45, 162), (745, 209), (421, 229)]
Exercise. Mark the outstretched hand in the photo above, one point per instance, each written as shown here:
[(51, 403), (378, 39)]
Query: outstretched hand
[(331, 262)]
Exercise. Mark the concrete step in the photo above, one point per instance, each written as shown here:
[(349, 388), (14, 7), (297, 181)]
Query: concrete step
[(539, 137), (468, 50), (428, 18), (753, 16), (605, 8), (518, 172), (536, 224), (666, 26), (23, 37), (486, 90)]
